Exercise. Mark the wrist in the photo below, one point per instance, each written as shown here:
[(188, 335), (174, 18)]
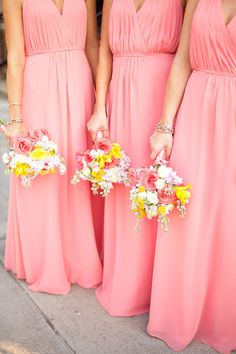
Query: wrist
[(15, 112), (100, 109), (167, 120)]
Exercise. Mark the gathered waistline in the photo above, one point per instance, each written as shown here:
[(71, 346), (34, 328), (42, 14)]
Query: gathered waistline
[(51, 51), (138, 55), (215, 73)]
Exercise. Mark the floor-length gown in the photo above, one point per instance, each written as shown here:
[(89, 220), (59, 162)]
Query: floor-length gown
[(194, 279), (50, 237), (143, 44)]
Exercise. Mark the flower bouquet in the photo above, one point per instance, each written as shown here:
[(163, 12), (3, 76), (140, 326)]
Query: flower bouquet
[(156, 191), (103, 165), (33, 155)]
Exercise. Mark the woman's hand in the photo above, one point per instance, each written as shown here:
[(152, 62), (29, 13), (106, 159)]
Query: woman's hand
[(161, 141), (98, 122), (13, 130)]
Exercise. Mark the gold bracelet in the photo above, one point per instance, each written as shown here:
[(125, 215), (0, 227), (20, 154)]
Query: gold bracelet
[(14, 104), (17, 121)]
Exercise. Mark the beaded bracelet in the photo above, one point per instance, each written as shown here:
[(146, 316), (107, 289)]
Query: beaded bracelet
[(163, 128)]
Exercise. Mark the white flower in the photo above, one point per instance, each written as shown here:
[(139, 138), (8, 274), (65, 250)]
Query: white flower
[(160, 183), (93, 153), (12, 165), (86, 172), (44, 139), (152, 197), (163, 171), (152, 211), (142, 195), (5, 158)]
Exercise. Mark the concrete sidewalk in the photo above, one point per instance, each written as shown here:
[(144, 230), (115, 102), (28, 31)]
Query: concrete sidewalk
[(34, 323)]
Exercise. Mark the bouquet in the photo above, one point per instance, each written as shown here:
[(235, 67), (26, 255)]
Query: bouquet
[(33, 155), (103, 165), (156, 191)]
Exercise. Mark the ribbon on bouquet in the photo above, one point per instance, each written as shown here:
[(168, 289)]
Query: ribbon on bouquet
[(99, 135), (162, 156), (2, 127)]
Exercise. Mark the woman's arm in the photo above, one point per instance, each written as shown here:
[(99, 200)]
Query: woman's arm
[(178, 78), (91, 47), (12, 10), (99, 120)]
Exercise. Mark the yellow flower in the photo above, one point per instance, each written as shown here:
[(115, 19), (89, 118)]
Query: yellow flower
[(141, 189), (183, 194), (142, 213), (115, 151), (21, 169), (98, 175), (101, 161), (52, 153), (39, 154), (108, 158), (162, 210), (140, 203), (46, 172)]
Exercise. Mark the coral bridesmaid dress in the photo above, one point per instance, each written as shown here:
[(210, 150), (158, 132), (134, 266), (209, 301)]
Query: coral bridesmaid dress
[(143, 44), (50, 238), (194, 281)]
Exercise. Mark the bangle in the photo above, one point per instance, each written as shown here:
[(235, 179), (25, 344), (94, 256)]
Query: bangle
[(17, 120), (14, 104), (163, 128)]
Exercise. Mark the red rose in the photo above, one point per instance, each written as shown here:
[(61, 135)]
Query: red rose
[(149, 179), (133, 176), (22, 145), (103, 144), (111, 164), (88, 158), (166, 196)]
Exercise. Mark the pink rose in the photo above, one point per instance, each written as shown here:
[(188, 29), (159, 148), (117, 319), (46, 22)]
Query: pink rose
[(167, 197), (37, 134), (22, 144), (88, 158), (111, 164), (133, 176), (103, 144), (79, 158), (149, 179)]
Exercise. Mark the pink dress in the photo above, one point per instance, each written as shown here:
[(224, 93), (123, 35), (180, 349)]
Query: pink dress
[(143, 46), (194, 280), (50, 238)]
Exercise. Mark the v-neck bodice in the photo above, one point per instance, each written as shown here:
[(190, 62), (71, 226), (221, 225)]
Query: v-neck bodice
[(47, 30), (213, 43), (155, 28)]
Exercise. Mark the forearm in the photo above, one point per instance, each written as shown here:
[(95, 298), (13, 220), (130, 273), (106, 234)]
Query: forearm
[(15, 72), (92, 56), (103, 81), (176, 85)]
